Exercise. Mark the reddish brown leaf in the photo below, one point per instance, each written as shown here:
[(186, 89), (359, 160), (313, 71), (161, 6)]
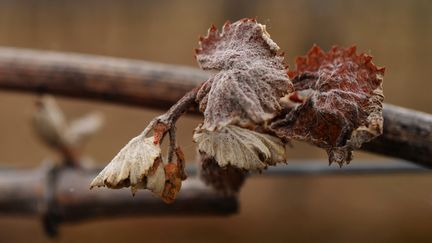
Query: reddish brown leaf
[(337, 104), (174, 175)]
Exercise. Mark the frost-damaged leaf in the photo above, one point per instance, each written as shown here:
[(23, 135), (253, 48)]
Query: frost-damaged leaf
[(337, 104), (138, 165), (251, 77), (227, 180), (240, 147)]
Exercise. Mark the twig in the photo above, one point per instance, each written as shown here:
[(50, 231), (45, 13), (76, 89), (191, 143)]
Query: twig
[(166, 122), (407, 133)]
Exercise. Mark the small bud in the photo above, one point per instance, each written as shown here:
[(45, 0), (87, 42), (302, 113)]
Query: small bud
[(52, 127), (49, 122)]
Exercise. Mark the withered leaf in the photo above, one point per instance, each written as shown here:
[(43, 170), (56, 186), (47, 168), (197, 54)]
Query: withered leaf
[(227, 180), (251, 77), (240, 147), (175, 174), (337, 104), (138, 165)]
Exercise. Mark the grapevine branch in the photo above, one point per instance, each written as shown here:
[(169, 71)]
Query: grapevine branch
[(21, 188), (61, 195), (117, 80), (407, 133)]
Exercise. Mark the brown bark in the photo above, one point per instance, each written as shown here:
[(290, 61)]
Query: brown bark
[(63, 193), (130, 82), (407, 133), (60, 195)]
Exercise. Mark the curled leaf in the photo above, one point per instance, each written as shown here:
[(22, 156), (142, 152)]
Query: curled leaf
[(251, 76), (227, 180), (138, 165), (240, 147), (337, 104), (174, 173)]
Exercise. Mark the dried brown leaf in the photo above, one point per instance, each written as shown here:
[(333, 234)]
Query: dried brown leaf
[(175, 174), (227, 180)]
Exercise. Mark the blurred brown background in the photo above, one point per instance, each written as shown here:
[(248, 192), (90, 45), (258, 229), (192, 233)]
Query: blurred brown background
[(396, 208)]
